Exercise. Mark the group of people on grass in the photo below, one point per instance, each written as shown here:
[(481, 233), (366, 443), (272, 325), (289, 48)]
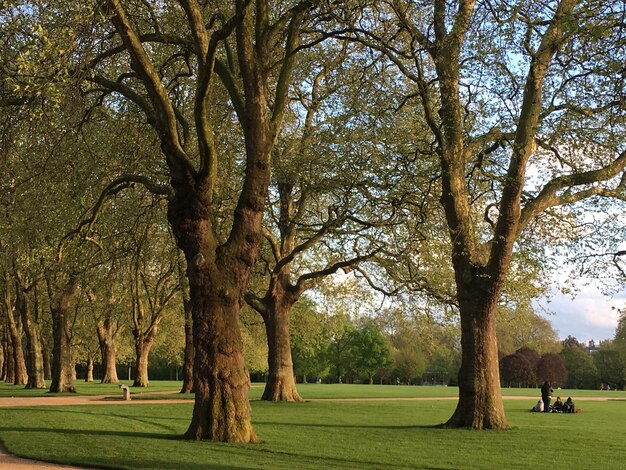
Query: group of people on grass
[(559, 406)]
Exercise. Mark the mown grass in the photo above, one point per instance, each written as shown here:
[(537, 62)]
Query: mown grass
[(89, 388), (320, 434), (308, 391)]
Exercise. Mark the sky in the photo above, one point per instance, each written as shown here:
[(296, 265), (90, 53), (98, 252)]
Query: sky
[(587, 316)]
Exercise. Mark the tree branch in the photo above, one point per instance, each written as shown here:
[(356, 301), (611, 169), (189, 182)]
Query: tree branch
[(548, 197)]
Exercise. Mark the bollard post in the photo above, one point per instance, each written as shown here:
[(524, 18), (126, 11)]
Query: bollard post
[(125, 392)]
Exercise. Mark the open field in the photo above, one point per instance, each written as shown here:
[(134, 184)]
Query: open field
[(308, 391), (322, 434)]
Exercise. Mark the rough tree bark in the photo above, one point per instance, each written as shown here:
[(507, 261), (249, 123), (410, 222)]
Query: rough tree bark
[(47, 367), (62, 363), (189, 354), (188, 358), (143, 345), (9, 363), (281, 384), (106, 331), (15, 336), (32, 330), (3, 351), (218, 273), (276, 305), (2, 370), (89, 374)]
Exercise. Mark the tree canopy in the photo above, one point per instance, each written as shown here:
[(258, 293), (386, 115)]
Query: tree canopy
[(386, 183)]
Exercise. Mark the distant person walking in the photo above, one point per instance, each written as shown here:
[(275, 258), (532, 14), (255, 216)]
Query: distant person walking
[(546, 396)]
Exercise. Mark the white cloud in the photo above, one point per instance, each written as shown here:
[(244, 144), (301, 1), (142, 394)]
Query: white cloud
[(590, 315)]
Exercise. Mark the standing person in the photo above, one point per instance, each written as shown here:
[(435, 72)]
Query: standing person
[(546, 396)]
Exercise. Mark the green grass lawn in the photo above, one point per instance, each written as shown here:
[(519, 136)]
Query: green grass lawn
[(308, 391), (89, 388), (320, 434)]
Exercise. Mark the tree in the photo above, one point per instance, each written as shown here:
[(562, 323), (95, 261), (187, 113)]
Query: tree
[(619, 340), (154, 284), (252, 49), (531, 356), (369, 350), (14, 327), (339, 353), (310, 339), (32, 321), (551, 368), (581, 370), (409, 364), (518, 369), (107, 329), (570, 342), (489, 132), (321, 219), (523, 327), (610, 367), (60, 303)]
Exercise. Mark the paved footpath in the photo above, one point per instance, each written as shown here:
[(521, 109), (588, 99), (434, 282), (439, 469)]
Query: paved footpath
[(10, 462)]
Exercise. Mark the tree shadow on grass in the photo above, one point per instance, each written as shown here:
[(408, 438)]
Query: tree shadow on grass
[(152, 420), (228, 451), (349, 426), (121, 458)]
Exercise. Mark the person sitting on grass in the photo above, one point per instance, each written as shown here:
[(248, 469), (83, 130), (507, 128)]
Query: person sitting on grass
[(568, 406), (558, 405), (538, 407)]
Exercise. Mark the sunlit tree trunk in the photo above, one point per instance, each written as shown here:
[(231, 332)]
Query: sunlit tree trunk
[(189, 349), (62, 364), (281, 383), (9, 363), (221, 408), (47, 368), (274, 308), (108, 350), (187, 311), (32, 330), (15, 336), (480, 400), (218, 273), (89, 374), (2, 369), (143, 344)]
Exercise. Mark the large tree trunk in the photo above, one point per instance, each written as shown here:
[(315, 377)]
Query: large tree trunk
[(89, 375), (15, 336), (32, 330), (2, 371), (108, 351), (143, 344), (276, 306), (187, 307), (9, 376), (221, 409), (62, 363), (47, 367), (3, 354), (188, 386), (281, 384), (480, 403), (218, 274)]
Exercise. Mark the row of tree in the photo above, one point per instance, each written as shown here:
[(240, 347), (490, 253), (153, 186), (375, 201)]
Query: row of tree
[(281, 143), (574, 367)]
